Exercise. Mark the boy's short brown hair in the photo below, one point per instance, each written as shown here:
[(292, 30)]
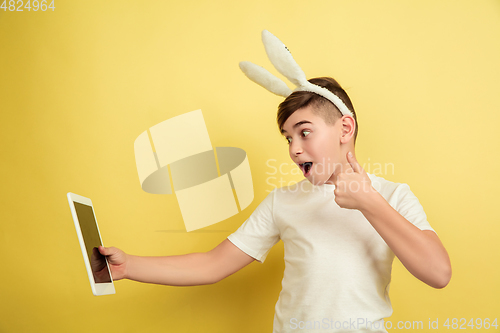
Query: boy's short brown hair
[(323, 107)]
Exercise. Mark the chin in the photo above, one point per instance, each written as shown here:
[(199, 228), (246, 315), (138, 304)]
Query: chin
[(317, 181), (320, 179)]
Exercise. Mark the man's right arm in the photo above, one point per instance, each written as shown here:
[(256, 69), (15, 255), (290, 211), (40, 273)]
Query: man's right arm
[(182, 270)]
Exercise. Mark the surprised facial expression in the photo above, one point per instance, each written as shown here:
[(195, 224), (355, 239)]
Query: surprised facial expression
[(313, 145)]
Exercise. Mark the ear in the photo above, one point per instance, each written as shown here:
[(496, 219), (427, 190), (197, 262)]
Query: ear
[(348, 127)]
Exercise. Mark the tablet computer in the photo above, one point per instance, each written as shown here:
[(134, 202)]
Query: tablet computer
[(88, 234)]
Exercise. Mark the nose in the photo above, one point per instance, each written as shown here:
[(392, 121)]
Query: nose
[(295, 148)]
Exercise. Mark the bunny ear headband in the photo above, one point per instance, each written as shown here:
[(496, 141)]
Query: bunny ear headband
[(283, 61)]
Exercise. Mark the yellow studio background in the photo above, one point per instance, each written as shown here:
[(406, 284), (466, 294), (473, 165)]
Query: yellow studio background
[(80, 83)]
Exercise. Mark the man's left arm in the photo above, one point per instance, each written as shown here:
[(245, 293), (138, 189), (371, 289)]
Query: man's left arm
[(420, 251)]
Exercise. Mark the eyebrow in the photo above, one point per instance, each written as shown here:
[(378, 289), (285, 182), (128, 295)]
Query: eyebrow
[(297, 124)]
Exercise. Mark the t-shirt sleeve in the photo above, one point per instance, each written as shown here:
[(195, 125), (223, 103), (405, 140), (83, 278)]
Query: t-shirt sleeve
[(407, 204), (258, 234)]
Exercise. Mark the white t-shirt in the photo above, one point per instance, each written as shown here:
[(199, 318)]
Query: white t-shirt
[(337, 267)]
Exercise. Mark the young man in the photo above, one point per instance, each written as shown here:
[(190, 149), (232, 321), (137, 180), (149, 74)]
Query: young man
[(341, 228)]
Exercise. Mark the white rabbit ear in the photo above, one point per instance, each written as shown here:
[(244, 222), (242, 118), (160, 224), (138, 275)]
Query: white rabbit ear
[(282, 59), (264, 78)]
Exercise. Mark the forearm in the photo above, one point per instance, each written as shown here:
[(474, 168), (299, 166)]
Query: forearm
[(419, 251), (184, 270)]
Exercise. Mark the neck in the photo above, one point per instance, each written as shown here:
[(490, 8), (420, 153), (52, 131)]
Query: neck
[(340, 167)]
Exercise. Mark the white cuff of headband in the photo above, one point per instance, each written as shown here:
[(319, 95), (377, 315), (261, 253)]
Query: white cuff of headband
[(283, 61)]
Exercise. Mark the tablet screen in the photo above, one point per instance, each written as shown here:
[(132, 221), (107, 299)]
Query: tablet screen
[(90, 234)]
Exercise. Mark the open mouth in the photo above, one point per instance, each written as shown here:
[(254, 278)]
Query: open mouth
[(306, 168)]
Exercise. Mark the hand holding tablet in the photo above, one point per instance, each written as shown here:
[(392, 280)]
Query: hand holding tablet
[(88, 234), (117, 261)]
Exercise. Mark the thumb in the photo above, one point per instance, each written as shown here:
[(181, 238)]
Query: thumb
[(354, 163), (105, 251)]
